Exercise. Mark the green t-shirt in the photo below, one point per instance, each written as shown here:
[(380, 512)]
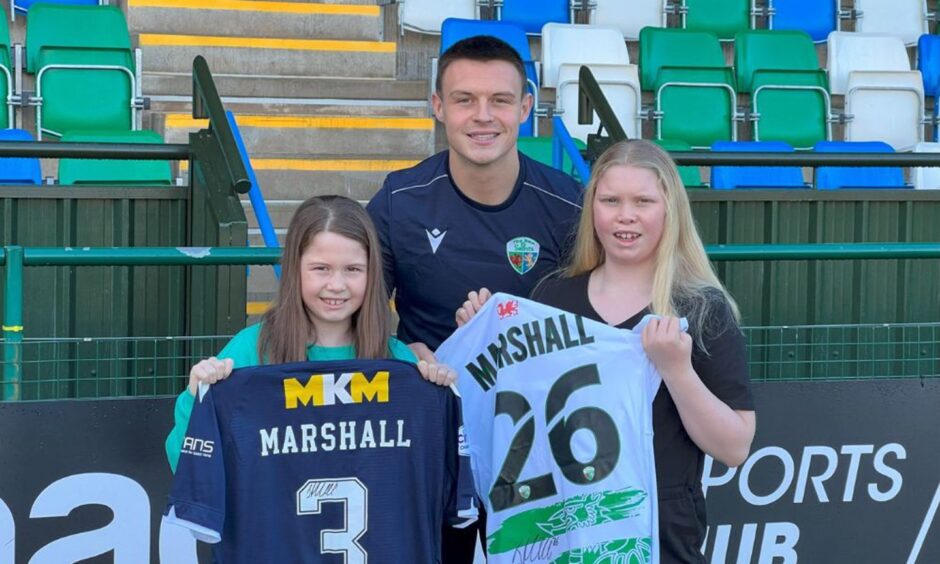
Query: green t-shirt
[(243, 350)]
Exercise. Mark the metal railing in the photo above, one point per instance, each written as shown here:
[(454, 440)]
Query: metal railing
[(16, 258)]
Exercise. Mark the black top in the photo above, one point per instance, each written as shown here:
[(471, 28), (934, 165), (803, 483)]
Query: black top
[(679, 461), (438, 245)]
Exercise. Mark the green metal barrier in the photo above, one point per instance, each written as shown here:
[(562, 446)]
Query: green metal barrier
[(97, 367)]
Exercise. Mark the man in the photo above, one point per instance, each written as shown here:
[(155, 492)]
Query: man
[(479, 214)]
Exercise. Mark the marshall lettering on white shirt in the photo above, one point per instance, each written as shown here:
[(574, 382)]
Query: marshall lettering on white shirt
[(558, 420)]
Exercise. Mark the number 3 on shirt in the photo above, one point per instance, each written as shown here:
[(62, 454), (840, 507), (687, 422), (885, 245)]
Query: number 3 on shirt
[(355, 498), (508, 491)]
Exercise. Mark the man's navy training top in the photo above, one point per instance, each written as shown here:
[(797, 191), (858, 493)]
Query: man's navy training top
[(438, 245)]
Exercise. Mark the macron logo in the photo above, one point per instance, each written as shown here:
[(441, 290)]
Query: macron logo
[(435, 236)]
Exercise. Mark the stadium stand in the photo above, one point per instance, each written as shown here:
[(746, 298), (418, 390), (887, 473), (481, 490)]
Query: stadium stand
[(19, 170), (114, 172), (884, 98), (906, 19), (455, 29), (565, 48), (540, 149), (832, 178), (693, 89), (818, 19), (532, 15), (724, 18), (23, 6), (427, 16), (731, 177), (642, 13), (789, 99), (84, 66)]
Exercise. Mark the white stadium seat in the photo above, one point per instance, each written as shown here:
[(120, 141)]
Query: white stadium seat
[(629, 19), (906, 19), (426, 16), (565, 48)]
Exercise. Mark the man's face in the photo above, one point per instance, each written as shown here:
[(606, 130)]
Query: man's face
[(481, 105)]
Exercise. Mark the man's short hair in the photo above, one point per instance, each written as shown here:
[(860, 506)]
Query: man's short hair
[(482, 48)]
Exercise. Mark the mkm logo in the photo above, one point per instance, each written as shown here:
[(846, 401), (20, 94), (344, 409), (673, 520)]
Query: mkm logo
[(327, 389)]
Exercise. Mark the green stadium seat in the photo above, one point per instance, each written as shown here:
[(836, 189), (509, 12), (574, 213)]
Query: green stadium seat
[(724, 18), (691, 175), (540, 149), (85, 70), (6, 77), (694, 90), (112, 171), (789, 92)]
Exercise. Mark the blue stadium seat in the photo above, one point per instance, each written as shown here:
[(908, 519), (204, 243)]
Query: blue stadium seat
[(928, 63), (23, 6), (812, 16), (19, 170), (455, 29), (531, 15), (833, 178), (730, 177)]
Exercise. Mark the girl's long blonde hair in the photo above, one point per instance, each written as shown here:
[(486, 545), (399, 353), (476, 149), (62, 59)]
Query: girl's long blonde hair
[(287, 327), (682, 275)]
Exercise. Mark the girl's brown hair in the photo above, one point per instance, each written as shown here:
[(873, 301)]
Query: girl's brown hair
[(287, 327)]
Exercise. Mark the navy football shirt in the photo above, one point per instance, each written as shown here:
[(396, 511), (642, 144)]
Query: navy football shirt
[(350, 461), (438, 244)]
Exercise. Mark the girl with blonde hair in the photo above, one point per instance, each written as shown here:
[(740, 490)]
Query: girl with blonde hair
[(637, 252)]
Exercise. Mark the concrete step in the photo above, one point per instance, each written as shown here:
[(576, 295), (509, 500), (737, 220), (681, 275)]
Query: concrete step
[(305, 87), (286, 181), (292, 106), (269, 56), (244, 18), (353, 136)]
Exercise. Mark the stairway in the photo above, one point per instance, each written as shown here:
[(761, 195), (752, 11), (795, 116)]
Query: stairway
[(313, 88)]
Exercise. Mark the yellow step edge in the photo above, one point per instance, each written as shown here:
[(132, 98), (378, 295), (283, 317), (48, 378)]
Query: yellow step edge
[(185, 121), (255, 6), (327, 165), (166, 40)]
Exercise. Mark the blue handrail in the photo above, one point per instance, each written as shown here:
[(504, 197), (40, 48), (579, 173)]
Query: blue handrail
[(258, 206), (563, 143)]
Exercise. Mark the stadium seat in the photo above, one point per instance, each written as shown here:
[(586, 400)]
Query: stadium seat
[(691, 175), (23, 6), (6, 78), (565, 48), (724, 18), (84, 66), (832, 178), (694, 90), (928, 63), (108, 171), (816, 18), (540, 149), (884, 98), (427, 16), (926, 178), (730, 177), (789, 99), (532, 15), (642, 13), (454, 29), (19, 170), (906, 19)]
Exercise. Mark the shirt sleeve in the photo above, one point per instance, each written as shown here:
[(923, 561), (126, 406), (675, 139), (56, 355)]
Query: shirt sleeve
[(197, 499), (174, 441), (379, 208), (723, 365), (400, 351), (462, 506)]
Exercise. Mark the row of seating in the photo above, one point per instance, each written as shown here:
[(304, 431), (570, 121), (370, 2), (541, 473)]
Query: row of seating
[(87, 76), (23, 6), (907, 19), (102, 172), (695, 93)]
